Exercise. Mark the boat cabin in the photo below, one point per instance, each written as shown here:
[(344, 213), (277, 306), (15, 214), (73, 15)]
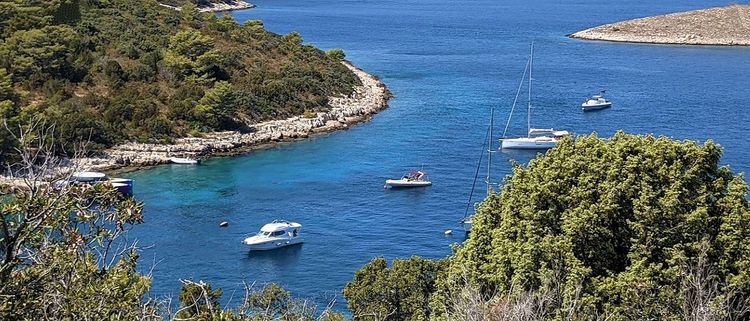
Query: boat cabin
[(547, 132), (280, 228), (414, 176)]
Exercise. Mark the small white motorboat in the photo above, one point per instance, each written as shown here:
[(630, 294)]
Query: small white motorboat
[(123, 185), (88, 177), (410, 179), (185, 161), (275, 235), (596, 102)]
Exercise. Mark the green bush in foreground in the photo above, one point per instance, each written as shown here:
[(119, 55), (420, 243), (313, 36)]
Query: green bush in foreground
[(630, 228), (399, 292)]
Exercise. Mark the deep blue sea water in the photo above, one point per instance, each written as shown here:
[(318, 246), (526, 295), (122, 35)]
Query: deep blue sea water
[(447, 63)]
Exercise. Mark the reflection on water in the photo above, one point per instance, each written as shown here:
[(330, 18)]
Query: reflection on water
[(273, 259)]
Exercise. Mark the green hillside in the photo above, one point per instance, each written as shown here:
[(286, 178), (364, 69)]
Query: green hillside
[(111, 71)]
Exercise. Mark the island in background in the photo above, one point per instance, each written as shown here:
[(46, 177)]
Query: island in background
[(725, 26)]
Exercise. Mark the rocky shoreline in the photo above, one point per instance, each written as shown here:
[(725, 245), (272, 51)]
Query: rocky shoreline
[(218, 7), (723, 26), (368, 99)]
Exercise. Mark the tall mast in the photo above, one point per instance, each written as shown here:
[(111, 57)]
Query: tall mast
[(489, 149), (528, 114)]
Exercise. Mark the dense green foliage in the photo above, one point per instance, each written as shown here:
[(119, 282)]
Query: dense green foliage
[(615, 226), (630, 228), (60, 260), (400, 292), (110, 71)]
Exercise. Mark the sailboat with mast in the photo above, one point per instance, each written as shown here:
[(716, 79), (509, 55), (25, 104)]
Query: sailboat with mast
[(468, 220), (536, 138)]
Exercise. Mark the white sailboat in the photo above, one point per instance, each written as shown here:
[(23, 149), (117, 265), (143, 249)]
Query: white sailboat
[(536, 138)]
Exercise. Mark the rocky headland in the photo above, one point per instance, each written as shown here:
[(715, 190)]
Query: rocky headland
[(727, 26), (229, 6), (366, 100), (218, 7)]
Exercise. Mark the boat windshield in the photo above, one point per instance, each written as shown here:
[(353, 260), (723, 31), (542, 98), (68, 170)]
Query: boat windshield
[(414, 176)]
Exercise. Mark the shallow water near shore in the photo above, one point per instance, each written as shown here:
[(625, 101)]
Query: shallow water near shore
[(446, 64)]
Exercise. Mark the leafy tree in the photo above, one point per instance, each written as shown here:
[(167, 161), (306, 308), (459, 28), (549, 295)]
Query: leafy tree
[(216, 105), (7, 95), (61, 256), (48, 51), (198, 301), (612, 226), (191, 53), (17, 15), (336, 53), (272, 301), (400, 292)]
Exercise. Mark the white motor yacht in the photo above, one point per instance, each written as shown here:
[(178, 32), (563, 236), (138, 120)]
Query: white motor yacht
[(596, 102), (411, 179), (275, 235)]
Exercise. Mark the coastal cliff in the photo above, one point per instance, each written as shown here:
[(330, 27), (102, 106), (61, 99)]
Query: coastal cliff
[(726, 26), (367, 99)]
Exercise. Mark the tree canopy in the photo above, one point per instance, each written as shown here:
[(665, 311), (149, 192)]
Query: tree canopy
[(399, 292), (616, 226)]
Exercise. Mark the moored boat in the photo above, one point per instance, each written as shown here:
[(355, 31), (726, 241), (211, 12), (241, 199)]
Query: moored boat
[(536, 138), (122, 185), (596, 102), (88, 177), (184, 161), (276, 234), (410, 179)]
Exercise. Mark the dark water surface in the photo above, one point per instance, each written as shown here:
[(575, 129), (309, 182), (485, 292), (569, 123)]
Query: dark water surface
[(446, 62)]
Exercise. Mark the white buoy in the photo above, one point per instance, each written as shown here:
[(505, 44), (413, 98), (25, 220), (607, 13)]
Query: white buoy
[(448, 232)]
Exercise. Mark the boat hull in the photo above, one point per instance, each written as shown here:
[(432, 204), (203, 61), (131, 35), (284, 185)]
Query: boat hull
[(595, 107), (527, 144), (184, 161), (397, 183), (272, 244)]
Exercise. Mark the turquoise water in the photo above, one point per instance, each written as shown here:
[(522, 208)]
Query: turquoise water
[(447, 63)]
